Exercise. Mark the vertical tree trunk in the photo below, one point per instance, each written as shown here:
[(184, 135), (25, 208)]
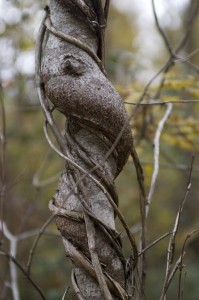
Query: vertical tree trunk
[(74, 81)]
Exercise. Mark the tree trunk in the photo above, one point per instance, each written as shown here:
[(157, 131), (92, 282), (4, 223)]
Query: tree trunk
[(75, 83)]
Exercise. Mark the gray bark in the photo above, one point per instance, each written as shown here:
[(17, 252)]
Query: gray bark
[(77, 87)]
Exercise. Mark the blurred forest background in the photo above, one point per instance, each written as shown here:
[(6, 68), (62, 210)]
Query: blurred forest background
[(135, 52)]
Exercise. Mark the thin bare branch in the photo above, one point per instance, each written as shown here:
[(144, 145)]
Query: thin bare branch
[(186, 58), (171, 246), (154, 102), (189, 26), (43, 183), (65, 293), (13, 251), (162, 33), (32, 250), (34, 284), (37, 182), (2, 156), (181, 266), (173, 272), (156, 155), (27, 234), (174, 53), (106, 9), (195, 68), (143, 200), (154, 243)]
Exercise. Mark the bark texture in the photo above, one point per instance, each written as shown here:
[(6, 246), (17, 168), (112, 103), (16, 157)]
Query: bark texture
[(95, 115)]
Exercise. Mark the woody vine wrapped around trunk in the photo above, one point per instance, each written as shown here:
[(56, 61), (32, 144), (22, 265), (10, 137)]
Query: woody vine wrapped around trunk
[(96, 144)]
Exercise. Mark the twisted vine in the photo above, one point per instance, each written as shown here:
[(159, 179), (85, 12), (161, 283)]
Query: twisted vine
[(96, 144)]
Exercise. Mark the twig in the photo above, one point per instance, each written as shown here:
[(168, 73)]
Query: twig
[(180, 292), (180, 167), (173, 272), (196, 68), (173, 57), (140, 179), (163, 102), (65, 293), (27, 234), (156, 155), (3, 227), (178, 266), (186, 58), (106, 9), (13, 250), (2, 156), (33, 248), (171, 246), (191, 19), (43, 183), (37, 182), (162, 33), (154, 243), (34, 284), (146, 201)]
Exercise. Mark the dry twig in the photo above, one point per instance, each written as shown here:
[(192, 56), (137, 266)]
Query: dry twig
[(156, 155), (171, 248)]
